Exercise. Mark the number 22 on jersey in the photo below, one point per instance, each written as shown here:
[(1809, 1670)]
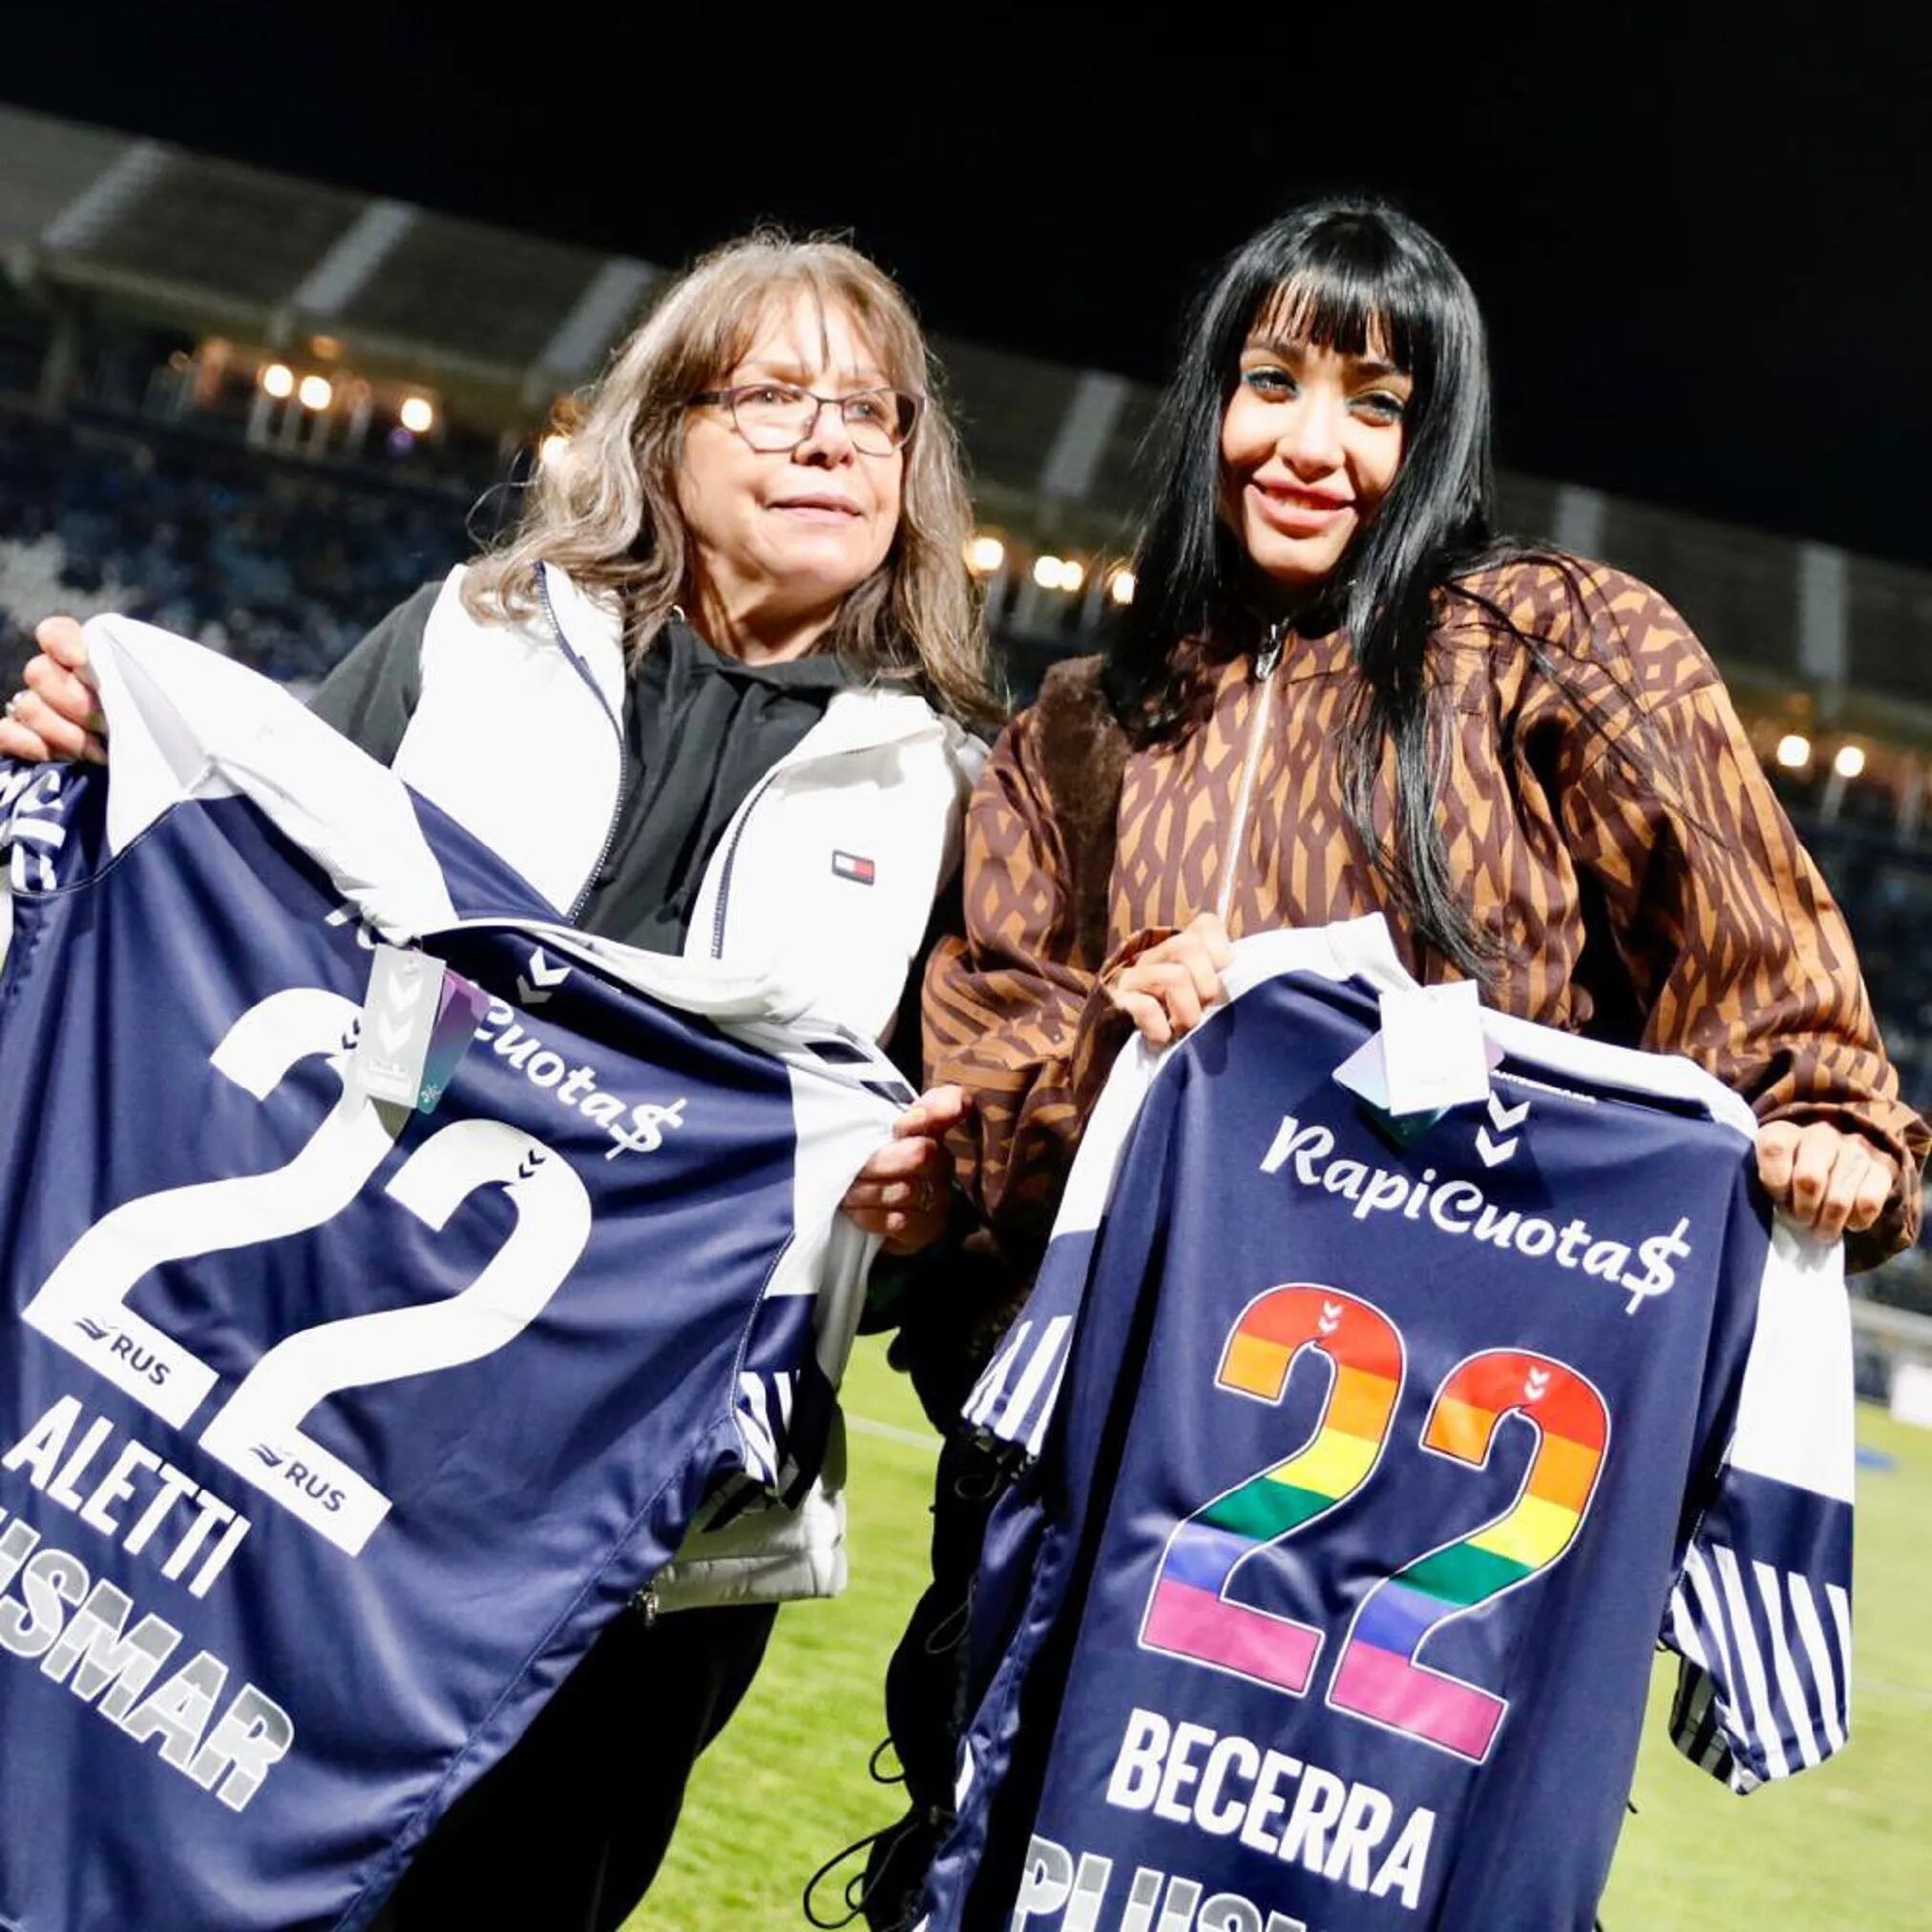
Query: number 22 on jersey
[(1378, 1675), (257, 1433)]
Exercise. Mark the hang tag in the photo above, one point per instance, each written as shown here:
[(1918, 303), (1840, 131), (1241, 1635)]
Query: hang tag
[(417, 1019), (1434, 1054), (461, 1011), (1365, 1075)]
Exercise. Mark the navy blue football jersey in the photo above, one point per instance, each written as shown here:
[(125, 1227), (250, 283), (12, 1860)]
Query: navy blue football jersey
[(332, 1431), (1371, 1458)]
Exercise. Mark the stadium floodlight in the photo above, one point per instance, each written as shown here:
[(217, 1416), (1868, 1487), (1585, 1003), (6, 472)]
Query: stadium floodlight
[(277, 380), (553, 447), (1121, 586), (1794, 750), (316, 393), (1046, 572), (417, 415), (1849, 761), (984, 555)]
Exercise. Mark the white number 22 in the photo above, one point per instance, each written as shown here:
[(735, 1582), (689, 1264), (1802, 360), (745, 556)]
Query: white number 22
[(257, 1433)]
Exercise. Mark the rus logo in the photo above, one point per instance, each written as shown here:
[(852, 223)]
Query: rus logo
[(298, 1476)]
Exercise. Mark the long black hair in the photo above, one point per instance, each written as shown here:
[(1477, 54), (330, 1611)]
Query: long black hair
[(1356, 276)]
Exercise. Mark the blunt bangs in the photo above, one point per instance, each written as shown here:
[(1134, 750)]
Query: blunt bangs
[(1346, 283)]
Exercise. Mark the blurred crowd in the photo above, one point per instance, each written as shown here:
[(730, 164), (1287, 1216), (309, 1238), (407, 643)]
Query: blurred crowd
[(284, 570), (1886, 892)]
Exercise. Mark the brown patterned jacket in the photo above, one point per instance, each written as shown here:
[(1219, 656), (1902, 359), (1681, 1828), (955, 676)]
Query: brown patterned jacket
[(1630, 856)]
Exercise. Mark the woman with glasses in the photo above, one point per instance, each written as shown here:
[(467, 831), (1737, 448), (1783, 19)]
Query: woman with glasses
[(711, 696)]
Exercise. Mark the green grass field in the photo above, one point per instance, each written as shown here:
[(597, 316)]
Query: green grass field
[(1843, 1849)]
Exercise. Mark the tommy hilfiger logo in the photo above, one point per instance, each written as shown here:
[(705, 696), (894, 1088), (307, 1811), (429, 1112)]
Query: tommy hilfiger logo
[(851, 866)]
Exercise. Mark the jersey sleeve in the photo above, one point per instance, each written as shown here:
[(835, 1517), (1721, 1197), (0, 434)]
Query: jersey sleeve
[(1761, 1610), (845, 1096), (32, 827), (50, 832), (1013, 1400)]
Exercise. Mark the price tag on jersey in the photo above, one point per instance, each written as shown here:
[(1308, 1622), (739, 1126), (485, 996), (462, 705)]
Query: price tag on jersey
[(398, 1022), (460, 1011), (417, 1020), (1433, 1052)]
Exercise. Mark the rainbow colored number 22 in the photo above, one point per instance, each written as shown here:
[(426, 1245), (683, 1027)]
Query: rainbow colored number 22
[(1378, 1675)]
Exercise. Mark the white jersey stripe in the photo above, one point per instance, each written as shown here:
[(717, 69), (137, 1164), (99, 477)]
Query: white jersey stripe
[(1841, 1616), (1036, 1439), (754, 1427), (1757, 1692), (1711, 1622), (1771, 1592), (1804, 1612), (1045, 1359), (992, 1384), (44, 832), (1682, 1631)]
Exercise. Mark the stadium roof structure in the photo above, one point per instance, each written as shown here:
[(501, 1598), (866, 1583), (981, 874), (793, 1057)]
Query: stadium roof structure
[(504, 322)]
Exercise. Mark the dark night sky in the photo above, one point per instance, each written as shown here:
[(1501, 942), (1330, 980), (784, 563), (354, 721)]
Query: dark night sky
[(1705, 252)]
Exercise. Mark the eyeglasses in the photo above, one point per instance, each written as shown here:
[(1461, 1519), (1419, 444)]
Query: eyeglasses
[(779, 416)]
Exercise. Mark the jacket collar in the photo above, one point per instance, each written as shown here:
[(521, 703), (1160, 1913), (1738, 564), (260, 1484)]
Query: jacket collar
[(857, 720)]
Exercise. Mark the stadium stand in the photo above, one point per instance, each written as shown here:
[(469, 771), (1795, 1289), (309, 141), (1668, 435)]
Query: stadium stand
[(281, 569)]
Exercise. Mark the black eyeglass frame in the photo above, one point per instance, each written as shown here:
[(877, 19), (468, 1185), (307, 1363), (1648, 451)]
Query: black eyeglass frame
[(910, 409)]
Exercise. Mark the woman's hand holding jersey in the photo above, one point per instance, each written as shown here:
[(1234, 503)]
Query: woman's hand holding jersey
[(1826, 1180), (1167, 990), (904, 1193), (57, 716)]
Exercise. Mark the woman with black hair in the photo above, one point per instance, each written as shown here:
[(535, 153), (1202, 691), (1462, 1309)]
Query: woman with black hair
[(1337, 693)]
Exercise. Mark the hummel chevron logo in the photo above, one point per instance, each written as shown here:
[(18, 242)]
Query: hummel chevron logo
[(267, 1455), (1331, 1317), (1495, 1152), (401, 997), (529, 1164), (92, 1329), (1536, 1385), (543, 976), (405, 986)]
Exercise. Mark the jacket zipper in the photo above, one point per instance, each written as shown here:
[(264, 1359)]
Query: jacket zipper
[(583, 670), (1264, 673), (731, 859)]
